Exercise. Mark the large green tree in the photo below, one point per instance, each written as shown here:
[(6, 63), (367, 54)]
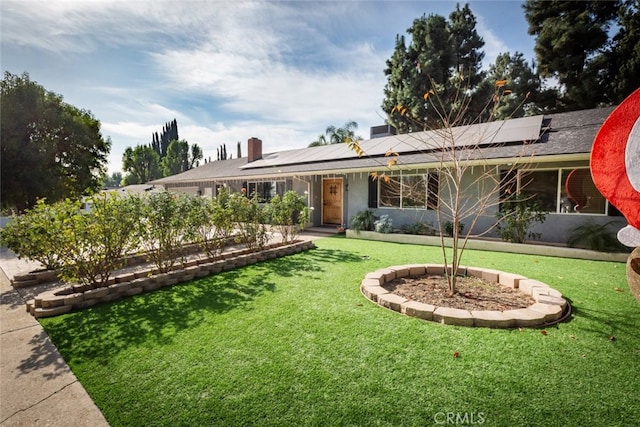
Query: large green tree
[(570, 36), (50, 149), (524, 92), (621, 59), (142, 164), (467, 45), (113, 180), (397, 91), (180, 157), (442, 57), (160, 143), (172, 156)]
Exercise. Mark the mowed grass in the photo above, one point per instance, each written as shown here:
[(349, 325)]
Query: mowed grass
[(293, 342)]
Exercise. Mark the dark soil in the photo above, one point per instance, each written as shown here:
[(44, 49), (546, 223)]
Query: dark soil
[(472, 293)]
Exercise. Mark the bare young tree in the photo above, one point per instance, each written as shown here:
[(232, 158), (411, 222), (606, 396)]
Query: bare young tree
[(467, 183)]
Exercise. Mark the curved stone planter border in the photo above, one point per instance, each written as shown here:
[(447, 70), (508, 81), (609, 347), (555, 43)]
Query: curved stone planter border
[(66, 299), (549, 306)]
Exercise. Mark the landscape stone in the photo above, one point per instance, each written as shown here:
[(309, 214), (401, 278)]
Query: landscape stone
[(373, 292), (418, 309), (376, 275), (391, 301), (527, 285), (525, 317), (510, 280), (453, 316), (551, 311), (549, 305), (492, 319), (492, 276)]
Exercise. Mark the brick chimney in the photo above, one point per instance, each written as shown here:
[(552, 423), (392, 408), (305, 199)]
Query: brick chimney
[(255, 149)]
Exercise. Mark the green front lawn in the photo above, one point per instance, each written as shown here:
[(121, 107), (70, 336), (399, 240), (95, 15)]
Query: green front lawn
[(293, 342)]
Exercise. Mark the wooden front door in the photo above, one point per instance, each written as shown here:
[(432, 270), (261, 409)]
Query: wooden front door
[(332, 201)]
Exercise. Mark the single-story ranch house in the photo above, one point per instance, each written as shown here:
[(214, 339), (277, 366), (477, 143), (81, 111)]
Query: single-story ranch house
[(553, 150)]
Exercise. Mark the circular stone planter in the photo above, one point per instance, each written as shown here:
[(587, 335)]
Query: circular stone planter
[(549, 307)]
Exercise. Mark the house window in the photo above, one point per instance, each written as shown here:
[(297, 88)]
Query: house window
[(419, 191), (568, 191), (541, 186), (579, 193), (266, 189)]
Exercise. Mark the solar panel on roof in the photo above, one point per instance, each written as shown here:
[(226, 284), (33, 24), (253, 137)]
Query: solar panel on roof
[(498, 132)]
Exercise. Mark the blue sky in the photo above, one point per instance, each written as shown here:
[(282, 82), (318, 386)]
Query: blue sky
[(227, 71)]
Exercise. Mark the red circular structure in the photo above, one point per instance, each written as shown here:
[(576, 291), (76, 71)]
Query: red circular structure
[(614, 159)]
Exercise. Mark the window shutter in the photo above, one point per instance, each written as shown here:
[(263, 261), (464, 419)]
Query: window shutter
[(373, 193)]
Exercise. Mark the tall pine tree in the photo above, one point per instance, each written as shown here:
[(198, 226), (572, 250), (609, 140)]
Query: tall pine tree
[(621, 60), (570, 35), (443, 59), (161, 143)]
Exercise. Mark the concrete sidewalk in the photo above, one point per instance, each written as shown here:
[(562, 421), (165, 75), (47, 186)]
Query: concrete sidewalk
[(36, 385)]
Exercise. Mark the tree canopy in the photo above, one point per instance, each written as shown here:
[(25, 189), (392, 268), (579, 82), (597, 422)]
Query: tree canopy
[(590, 52), (180, 158), (337, 135), (50, 149), (142, 164), (573, 45), (166, 155), (442, 55)]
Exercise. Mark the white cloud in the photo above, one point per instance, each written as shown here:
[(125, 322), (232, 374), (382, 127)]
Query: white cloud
[(227, 71), (493, 44)]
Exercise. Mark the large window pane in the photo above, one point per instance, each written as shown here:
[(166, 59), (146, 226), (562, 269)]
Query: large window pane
[(414, 191), (390, 192), (541, 186), (267, 189), (409, 191), (579, 194)]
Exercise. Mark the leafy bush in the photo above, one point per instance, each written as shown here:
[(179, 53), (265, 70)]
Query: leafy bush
[(85, 245), (384, 224), (419, 228), (288, 214), (97, 239), (596, 237), (516, 217), (213, 221), (166, 226), (37, 234), (363, 221), (249, 219)]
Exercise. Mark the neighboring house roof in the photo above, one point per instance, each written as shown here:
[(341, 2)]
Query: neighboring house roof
[(136, 189), (555, 135)]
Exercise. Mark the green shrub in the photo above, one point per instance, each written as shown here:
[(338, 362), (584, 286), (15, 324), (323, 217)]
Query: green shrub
[(249, 220), (166, 226), (85, 245), (213, 222), (516, 217), (596, 237), (37, 234), (97, 239), (363, 221), (288, 214), (419, 228), (384, 224)]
